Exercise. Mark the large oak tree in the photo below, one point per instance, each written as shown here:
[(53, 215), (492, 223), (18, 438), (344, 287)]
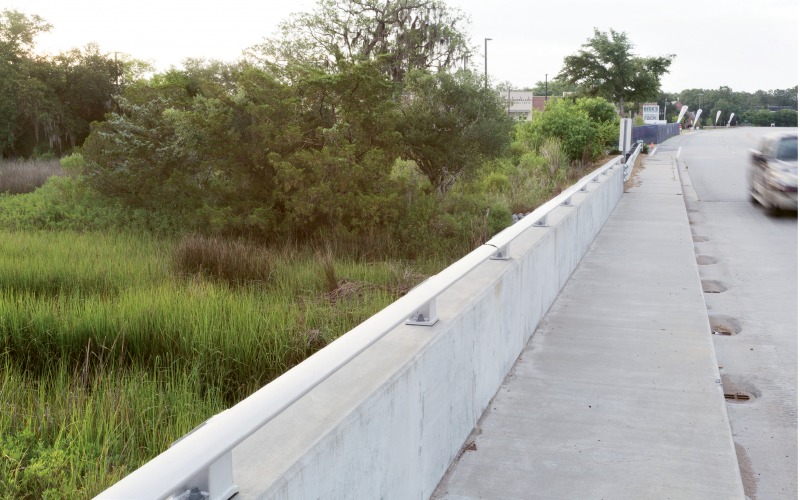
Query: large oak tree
[(607, 67), (402, 34)]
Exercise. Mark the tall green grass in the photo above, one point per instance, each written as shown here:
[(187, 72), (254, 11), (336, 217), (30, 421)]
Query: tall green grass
[(110, 352)]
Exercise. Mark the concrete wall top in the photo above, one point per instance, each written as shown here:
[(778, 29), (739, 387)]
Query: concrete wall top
[(390, 422)]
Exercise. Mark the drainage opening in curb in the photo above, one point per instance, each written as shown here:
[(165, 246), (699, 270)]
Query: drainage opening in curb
[(699, 239), (705, 260), (724, 325), (738, 397), (712, 286), (739, 388)]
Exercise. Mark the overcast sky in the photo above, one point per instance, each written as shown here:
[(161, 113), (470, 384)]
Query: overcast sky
[(747, 45)]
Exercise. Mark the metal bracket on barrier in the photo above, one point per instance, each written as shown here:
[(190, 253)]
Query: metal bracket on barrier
[(425, 315), (596, 178), (584, 188), (503, 252), (214, 483), (567, 202), (541, 222)]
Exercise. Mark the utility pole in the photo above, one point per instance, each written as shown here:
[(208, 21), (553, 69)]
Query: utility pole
[(486, 62), (545, 88), (116, 71)]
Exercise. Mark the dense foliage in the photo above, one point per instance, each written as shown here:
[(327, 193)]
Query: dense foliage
[(451, 123), (606, 67), (584, 126), (402, 36), (48, 101), (288, 148)]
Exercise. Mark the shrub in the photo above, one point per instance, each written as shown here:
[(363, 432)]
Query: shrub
[(639, 121), (553, 154), (68, 203), (497, 182), (564, 121), (229, 261)]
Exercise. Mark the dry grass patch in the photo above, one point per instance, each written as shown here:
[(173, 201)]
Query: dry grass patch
[(234, 262), (20, 176)]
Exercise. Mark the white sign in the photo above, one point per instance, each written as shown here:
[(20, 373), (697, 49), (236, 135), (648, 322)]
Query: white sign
[(520, 102), (697, 118), (730, 119), (683, 112), (650, 113), (717, 118)]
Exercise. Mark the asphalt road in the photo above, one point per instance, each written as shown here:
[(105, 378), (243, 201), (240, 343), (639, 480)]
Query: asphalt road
[(750, 258)]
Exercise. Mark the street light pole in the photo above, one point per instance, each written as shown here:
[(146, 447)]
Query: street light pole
[(486, 62), (545, 87)]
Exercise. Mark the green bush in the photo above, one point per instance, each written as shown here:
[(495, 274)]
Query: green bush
[(68, 203), (584, 127)]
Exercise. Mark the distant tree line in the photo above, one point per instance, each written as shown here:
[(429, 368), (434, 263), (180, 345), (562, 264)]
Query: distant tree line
[(48, 101)]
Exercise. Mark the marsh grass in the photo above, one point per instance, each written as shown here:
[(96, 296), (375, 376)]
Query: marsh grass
[(109, 354), (231, 261), (24, 176)]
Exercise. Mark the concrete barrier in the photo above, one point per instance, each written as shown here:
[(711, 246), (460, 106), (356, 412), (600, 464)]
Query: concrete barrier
[(390, 422)]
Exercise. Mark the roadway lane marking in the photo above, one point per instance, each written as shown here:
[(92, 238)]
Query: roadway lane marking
[(747, 135), (679, 152), (653, 151)]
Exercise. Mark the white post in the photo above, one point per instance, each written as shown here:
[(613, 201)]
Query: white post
[(425, 315), (625, 130)]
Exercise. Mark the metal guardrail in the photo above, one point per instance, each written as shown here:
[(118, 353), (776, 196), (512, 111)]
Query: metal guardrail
[(202, 459), (626, 174)]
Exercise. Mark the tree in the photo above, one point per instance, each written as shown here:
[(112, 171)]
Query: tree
[(759, 118), (786, 118), (48, 101), (450, 123), (402, 34), (268, 156), (606, 67), (18, 32), (583, 126)]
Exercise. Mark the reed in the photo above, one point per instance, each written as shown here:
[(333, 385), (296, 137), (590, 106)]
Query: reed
[(24, 176), (110, 349)]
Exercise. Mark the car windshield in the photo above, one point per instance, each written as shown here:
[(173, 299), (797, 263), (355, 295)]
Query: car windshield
[(787, 150)]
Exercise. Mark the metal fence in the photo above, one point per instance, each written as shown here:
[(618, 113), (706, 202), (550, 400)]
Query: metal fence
[(655, 134)]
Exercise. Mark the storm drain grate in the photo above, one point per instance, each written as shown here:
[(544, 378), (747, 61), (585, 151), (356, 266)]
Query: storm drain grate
[(738, 397)]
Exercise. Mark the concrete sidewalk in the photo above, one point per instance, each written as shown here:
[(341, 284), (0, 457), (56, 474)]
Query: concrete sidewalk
[(617, 394)]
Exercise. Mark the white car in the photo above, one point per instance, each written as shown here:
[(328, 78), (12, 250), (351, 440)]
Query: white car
[(772, 176)]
